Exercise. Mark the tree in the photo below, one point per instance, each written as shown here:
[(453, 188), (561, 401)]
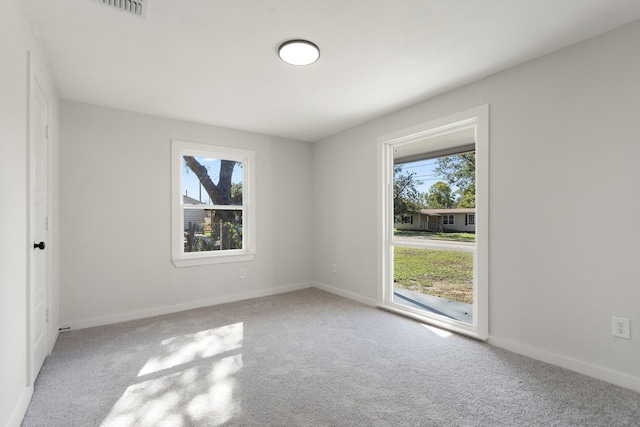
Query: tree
[(223, 193), (439, 196), (236, 193), (220, 194), (468, 199), (459, 170), (406, 197)]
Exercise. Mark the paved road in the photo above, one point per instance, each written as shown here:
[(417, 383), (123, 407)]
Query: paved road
[(438, 241)]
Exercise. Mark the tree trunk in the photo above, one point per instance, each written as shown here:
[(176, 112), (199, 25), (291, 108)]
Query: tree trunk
[(219, 194)]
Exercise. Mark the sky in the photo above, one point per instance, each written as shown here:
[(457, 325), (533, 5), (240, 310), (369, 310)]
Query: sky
[(191, 184), (424, 170)]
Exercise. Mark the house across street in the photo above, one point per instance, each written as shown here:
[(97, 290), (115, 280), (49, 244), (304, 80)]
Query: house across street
[(457, 219)]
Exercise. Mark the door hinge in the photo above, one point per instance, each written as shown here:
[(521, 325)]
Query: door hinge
[(47, 315), (46, 131), (46, 223)]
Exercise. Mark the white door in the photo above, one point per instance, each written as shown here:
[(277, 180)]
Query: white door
[(38, 295)]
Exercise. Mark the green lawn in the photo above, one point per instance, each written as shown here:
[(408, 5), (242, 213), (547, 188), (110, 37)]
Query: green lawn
[(459, 237), (445, 274)]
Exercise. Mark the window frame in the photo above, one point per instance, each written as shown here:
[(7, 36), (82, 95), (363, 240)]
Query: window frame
[(479, 118), (407, 219), (471, 219), (248, 208), (448, 219)]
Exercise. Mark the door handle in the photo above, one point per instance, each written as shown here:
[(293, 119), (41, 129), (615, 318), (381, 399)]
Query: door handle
[(38, 246)]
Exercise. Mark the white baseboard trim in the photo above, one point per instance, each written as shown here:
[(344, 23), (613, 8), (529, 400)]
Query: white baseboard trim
[(54, 338), (581, 367), (21, 408), (341, 292), (141, 314)]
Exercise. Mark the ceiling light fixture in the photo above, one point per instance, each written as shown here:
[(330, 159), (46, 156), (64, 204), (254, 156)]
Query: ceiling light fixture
[(299, 52)]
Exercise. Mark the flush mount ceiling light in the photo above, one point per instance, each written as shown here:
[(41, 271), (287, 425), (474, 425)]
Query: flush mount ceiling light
[(299, 52)]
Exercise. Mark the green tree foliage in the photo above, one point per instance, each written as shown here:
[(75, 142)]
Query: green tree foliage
[(468, 198), (406, 197), (459, 170), (439, 196), (236, 193)]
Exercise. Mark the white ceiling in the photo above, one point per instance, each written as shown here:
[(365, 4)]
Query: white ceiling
[(215, 61)]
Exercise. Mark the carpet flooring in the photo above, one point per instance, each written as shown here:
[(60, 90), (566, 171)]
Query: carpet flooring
[(307, 358)]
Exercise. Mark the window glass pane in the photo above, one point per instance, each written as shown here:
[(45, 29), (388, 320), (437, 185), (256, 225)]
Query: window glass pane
[(430, 189), (211, 181), (433, 171), (439, 281), (212, 230)]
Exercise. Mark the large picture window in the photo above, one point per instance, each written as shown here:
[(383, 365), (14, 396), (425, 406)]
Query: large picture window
[(213, 213), (437, 269)]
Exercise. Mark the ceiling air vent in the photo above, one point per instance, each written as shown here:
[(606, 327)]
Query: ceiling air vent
[(131, 7)]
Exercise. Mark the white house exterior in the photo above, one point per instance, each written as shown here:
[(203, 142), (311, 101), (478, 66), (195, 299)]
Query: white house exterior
[(193, 216), (459, 219)]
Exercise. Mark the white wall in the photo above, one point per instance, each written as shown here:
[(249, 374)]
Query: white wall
[(15, 44), (114, 162), (564, 147)]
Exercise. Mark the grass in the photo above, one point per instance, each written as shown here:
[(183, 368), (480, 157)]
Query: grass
[(444, 274), (459, 237)]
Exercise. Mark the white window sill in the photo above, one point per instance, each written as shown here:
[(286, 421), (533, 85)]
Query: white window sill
[(212, 259)]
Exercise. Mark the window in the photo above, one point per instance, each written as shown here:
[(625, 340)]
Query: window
[(471, 219), (213, 209), (407, 219), (414, 273)]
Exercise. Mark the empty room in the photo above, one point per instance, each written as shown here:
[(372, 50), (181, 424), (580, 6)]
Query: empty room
[(319, 213)]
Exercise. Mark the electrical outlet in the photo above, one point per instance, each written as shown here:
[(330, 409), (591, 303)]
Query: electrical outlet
[(243, 273), (621, 327), (334, 268)]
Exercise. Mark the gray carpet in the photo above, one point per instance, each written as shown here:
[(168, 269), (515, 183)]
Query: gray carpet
[(306, 358)]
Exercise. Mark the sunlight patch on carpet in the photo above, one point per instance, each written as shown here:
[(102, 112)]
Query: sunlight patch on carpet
[(439, 332), (187, 348), (219, 399), (179, 400)]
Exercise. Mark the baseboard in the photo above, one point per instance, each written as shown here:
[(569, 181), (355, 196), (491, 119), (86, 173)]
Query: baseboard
[(21, 408), (55, 333), (141, 314), (581, 367), (341, 292)]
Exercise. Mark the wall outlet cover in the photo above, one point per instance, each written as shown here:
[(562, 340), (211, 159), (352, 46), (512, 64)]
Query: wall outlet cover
[(620, 327)]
